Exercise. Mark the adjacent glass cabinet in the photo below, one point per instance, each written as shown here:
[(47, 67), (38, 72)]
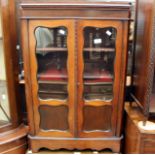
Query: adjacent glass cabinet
[(4, 103), (75, 64), (12, 132)]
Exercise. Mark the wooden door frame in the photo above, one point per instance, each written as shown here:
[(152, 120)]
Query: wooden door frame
[(119, 72), (31, 71)]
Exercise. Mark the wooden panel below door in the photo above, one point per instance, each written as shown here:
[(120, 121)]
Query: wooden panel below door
[(97, 118), (54, 118)]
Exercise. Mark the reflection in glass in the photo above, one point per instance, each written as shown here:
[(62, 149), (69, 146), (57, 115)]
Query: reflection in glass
[(51, 54), (4, 104), (99, 56)]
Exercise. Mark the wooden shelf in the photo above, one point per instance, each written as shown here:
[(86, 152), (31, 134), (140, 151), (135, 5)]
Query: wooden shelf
[(65, 83), (100, 97), (52, 92), (99, 49), (93, 76), (61, 75), (53, 82), (97, 94), (52, 49), (98, 83), (46, 82), (55, 49)]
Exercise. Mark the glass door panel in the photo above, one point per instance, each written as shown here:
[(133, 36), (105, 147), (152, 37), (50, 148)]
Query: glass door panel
[(51, 54), (99, 50), (4, 102), (52, 76), (99, 57)]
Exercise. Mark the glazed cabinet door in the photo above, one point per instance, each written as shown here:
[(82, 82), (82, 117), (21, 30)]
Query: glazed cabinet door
[(52, 70), (100, 56), (5, 116)]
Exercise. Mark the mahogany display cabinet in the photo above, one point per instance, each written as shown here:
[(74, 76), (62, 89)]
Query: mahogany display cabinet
[(13, 134), (144, 58), (75, 56), (141, 139)]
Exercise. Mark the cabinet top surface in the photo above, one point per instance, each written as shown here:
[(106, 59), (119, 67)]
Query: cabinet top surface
[(70, 3)]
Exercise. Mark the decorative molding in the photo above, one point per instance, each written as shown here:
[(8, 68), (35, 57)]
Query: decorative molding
[(56, 5), (150, 75), (90, 18), (76, 76), (75, 143), (76, 139)]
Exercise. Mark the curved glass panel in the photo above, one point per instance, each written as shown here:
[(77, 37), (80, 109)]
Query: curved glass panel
[(4, 103), (51, 54), (99, 56)]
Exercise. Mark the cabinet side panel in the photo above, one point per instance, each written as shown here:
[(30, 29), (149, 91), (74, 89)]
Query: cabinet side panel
[(144, 54), (25, 48), (122, 78), (131, 137)]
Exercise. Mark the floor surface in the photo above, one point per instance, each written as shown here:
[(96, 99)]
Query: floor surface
[(63, 151)]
